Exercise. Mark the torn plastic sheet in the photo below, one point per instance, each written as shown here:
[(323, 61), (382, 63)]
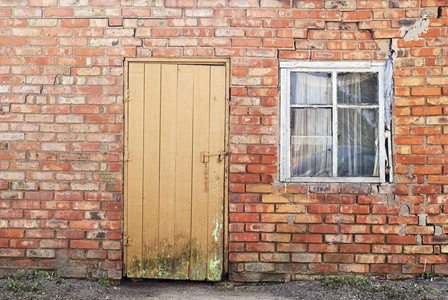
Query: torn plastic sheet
[(388, 91)]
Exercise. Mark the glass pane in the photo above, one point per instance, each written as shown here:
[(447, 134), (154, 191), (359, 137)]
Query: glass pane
[(357, 142), (310, 88), (354, 88), (311, 156), (311, 122)]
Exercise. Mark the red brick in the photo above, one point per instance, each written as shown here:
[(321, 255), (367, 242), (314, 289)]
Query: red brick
[(323, 35), (339, 199), (435, 240), (260, 227), (289, 247), (307, 238), (386, 229), (11, 233), (12, 253), (414, 269), (356, 15), (322, 209), (244, 178), (308, 199), (418, 249), (246, 237), (354, 209), (394, 239), (371, 200), (285, 54), (259, 208), (243, 257), (433, 259), (339, 258), (419, 230), (385, 269), (179, 3), (278, 23), (306, 257), (370, 259), (237, 247), (383, 34), (437, 179), (259, 247), (424, 209), (276, 237), (274, 218), (394, 210), (70, 234), (261, 169), (236, 227), (436, 3), (84, 244), (339, 219), (337, 239), (290, 208), (325, 14), (403, 220), (387, 249), (354, 248), (308, 219), (369, 239), (371, 219), (323, 268), (296, 228), (322, 228), (426, 91)]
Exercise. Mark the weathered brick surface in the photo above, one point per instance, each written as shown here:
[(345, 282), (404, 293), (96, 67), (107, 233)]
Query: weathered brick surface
[(61, 138)]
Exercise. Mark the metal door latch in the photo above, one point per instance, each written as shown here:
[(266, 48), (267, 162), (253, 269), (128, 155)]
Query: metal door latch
[(204, 159), (205, 155)]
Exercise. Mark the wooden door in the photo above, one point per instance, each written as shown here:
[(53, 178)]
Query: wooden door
[(174, 191)]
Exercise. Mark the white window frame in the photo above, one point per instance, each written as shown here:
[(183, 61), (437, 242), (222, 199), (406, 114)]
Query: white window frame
[(286, 67)]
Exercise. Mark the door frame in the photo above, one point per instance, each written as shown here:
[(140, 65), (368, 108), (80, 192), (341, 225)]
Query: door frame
[(191, 61)]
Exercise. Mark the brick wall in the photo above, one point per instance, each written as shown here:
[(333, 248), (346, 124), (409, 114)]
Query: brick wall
[(61, 113)]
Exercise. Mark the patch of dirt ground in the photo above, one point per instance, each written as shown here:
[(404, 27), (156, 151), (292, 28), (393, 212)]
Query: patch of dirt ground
[(41, 285)]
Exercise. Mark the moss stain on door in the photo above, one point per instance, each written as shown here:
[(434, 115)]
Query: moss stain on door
[(174, 171)]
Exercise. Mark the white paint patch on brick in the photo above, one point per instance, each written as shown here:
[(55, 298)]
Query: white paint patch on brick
[(414, 32)]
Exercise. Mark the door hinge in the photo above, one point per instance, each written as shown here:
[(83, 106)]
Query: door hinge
[(127, 154), (127, 96), (126, 240)]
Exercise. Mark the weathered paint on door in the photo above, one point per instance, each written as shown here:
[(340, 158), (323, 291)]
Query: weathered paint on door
[(173, 200)]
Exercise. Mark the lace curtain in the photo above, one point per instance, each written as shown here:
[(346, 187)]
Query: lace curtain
[(311, 126)]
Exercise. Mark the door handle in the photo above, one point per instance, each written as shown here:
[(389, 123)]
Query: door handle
[(205, 155)]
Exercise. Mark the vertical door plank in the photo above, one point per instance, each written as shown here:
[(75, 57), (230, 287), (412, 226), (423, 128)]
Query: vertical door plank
[(216, 173), (184, 146), (135, 177), (151, 165), (168, 113), (199, 226)]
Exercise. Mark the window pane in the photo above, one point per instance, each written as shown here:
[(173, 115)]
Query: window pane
[(354, 88), (357, 142), (311, 156), (311, 122), (310, 88)]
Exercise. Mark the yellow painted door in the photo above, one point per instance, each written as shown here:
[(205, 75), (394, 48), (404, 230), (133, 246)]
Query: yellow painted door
[(174, 182)]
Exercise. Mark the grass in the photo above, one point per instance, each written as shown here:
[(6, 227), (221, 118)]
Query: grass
[(429, 275), (104, 282), (32, 281)]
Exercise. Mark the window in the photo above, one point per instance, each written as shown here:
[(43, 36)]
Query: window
[(332, 122)]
